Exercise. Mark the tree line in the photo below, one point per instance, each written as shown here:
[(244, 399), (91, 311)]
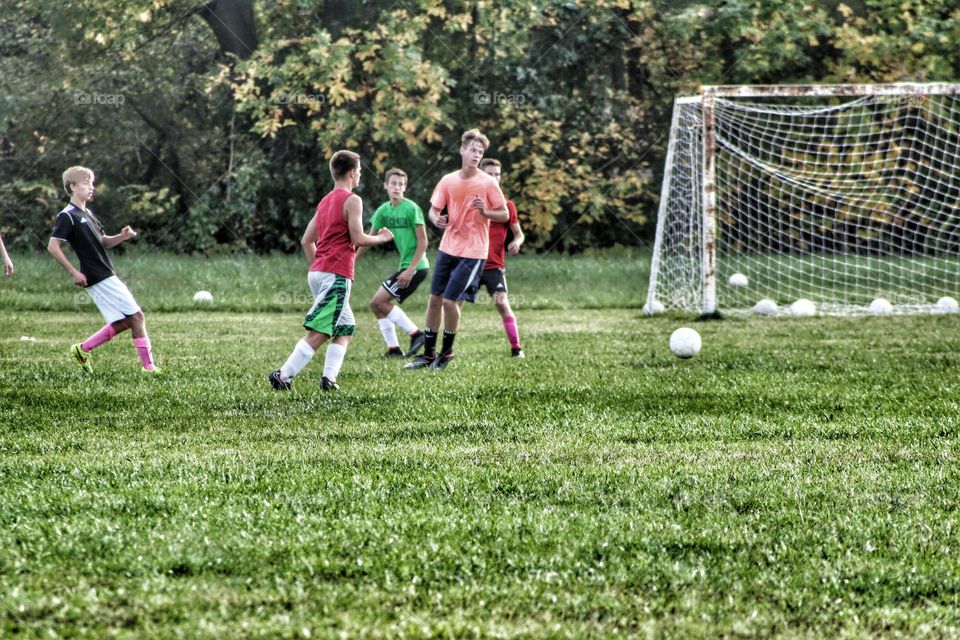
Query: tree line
[(209, 123)]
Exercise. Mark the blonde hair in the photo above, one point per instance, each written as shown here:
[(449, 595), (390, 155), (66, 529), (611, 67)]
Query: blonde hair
[(489, 162), (342, 163), (474, 135), (395, 172), (73, 175)]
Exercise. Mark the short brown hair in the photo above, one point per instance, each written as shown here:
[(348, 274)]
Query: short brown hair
[(342, 163), (73, 175), (474, 134), (395, 172), (489, 162)]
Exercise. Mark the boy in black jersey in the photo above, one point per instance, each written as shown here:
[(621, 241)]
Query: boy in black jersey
[(77, 225)]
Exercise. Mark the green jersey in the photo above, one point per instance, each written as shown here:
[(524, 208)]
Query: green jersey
[(402, 221)]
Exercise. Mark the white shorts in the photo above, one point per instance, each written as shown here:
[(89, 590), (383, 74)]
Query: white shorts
[(113, 299), (331, 313)]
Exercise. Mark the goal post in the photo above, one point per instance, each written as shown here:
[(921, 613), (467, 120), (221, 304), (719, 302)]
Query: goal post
[(836, 193)]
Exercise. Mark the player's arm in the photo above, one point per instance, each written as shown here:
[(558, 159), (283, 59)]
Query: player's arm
[(437, 219), (407, 275), (125, 234), (518, 238), (7, 262), (497, 215), (55, 250), (353, 208), (309, 240), (363, 250)]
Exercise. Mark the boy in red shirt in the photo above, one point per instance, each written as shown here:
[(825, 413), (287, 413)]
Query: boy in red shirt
[(494, 272), (329, 244)]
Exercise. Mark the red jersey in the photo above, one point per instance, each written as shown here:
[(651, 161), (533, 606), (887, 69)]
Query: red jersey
[(335, 251), (498, 238)]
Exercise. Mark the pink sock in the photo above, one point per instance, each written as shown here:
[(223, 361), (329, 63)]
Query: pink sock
[(510, 326), (143, 350), (105, 334)]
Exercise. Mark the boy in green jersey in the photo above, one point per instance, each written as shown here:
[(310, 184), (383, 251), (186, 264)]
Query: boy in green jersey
[(404, 218)]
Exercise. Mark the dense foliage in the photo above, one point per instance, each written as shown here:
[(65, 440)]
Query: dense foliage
[(209, 124)]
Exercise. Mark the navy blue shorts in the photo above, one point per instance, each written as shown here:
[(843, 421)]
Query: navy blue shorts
[(456, 278)]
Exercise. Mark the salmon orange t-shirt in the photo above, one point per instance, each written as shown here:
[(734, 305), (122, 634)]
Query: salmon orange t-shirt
[(467, 234)]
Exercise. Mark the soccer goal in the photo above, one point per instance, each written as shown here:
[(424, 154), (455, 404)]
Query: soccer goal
[(840, 194)]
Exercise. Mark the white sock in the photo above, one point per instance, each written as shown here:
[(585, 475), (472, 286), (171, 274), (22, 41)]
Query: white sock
[(333, 361), (299, 358), (399, 318), (389, 332)]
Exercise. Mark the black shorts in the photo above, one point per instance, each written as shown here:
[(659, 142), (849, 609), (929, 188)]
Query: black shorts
[(390, 284), (495, 280), (456, 278)]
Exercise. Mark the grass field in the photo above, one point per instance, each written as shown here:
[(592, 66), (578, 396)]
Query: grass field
[(797, 479)]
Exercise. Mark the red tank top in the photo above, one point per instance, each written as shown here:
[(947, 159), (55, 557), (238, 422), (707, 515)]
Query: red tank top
[(335, 252)]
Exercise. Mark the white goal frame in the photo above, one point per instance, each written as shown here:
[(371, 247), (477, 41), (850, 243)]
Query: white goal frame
[(706, 190)]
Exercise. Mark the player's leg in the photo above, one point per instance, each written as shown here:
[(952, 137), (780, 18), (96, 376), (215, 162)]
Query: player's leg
[(497, 285), (502, 302), (141, 341), (328, 290), (399, 318), (381, 305), (462, 286), (117, 305), (443, 268), (344, 328)]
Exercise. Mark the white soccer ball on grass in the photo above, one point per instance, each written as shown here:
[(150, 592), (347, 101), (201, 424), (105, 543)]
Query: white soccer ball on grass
[(803, 308), (880, 307), (738, 280), (766, 307), (203, 296), (685, 342), (946, 304)]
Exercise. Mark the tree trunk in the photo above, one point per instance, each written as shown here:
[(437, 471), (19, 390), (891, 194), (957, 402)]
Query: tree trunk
[(233, 24)]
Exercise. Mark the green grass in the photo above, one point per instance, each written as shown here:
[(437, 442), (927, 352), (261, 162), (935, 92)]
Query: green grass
[(797, 479)]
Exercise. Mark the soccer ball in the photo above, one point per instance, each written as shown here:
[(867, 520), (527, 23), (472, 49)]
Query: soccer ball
[(803, 308), (203, 296), (652, 308), (738, 280), (685, 342), (880, 307), (766, 307), (946, 304)]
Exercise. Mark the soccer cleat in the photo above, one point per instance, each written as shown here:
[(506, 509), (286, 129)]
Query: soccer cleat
[(278, 383), (156, 371), (442, 360), (328, 385), (416, 343), (420, 362), (393, 352), (516, 352), (82, 357)]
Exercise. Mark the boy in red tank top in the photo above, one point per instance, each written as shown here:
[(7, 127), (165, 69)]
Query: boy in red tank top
[(329, 244)]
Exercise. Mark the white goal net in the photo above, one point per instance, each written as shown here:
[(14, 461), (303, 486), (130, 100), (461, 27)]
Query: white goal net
[(839, 194)]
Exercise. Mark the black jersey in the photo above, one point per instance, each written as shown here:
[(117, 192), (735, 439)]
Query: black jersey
[(85, 234)]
